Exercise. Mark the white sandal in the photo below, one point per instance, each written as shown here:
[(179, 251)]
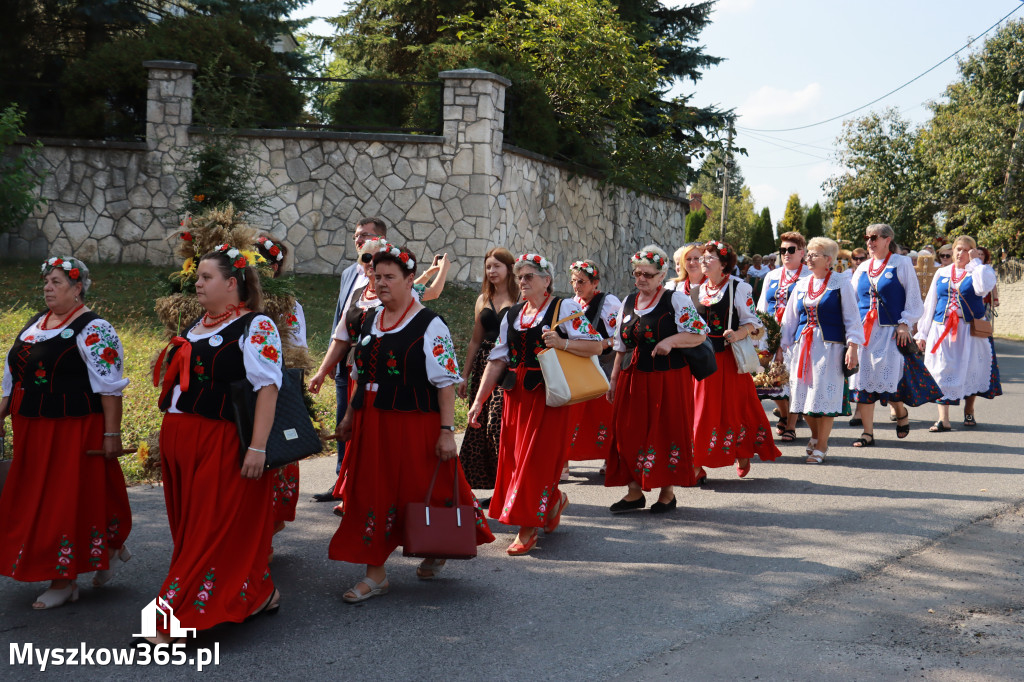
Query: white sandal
[(812, 445), (376, 589), (52, 598), (103, 576), (815, 457)]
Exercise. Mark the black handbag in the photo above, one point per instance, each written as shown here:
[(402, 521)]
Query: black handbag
[(292, 437), (701, 360)]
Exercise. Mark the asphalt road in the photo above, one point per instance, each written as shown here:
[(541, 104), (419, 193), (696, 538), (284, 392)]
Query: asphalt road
[(797, 572)]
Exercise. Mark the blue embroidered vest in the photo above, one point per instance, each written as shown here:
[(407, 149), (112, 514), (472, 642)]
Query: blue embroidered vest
[(828, 317), (968, 299), (773, 288), (892, 297)]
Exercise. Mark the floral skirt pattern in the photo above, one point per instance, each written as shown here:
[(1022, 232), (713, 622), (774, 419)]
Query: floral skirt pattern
[(729, 423), (221, 524), (916, 387), (389, 463), (534, 443), (652, 430), (592, 430), (71, 509), (286, 492)]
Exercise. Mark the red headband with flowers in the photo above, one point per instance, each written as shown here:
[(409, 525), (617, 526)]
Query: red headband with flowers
[(721, 248), (406, 260), (238, 261), (273, 249), (65, 264), (649, 257), (584, 266)]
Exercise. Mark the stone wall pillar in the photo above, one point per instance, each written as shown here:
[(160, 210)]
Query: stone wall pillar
[(474, 122)]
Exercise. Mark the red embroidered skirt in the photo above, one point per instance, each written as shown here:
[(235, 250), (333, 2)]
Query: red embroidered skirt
[(592, 430), (388, 464), (530, 457), (652, 430), (221, 524), (61, 510), (729, 421), (286, 492)]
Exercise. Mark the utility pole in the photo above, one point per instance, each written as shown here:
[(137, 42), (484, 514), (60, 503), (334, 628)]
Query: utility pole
[(725, 183)]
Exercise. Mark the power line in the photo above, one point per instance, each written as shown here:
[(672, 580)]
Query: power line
[(891, 92), (761, 137), (795, 165), (782, 146)]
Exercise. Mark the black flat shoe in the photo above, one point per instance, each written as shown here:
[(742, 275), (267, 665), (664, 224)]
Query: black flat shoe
[(324, 497), (628, 505), (969, 421), (866, 440), (903, 430), (856, 421), (662, 507), (939, 427)]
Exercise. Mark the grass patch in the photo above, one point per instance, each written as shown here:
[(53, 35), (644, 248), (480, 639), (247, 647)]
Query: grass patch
[(124, 295)]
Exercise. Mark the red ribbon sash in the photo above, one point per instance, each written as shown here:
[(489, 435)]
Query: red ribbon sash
[(806, 341), (180, 366)]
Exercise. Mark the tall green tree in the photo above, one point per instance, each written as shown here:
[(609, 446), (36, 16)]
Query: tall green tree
[(813, 222), (793, 218), (695, 221), (883, 179), (763, 241)]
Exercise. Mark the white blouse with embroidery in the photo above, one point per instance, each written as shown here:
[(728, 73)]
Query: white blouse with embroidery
[(297, 322), (438, 349), (577, 330), (261, 353), (100, 349), (743, 301), (687, 319)]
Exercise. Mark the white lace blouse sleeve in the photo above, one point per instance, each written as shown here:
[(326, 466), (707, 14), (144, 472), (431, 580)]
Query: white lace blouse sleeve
[(579, 329), (983, 277), (688, 320), (500, 350), (851, 313), (743, 301), (914, 306), (261, 353), (617, 344), (298, 324), (442, 365), (610, 313), (790, 318), (930, 301), (101, 349)]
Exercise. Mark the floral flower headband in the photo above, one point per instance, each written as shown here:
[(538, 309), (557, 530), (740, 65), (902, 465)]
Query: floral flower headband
[(272, 248), (240, 259), (536, 260), (649, 257), (68, 265), (584, 266), (405, 258), (719, 246)]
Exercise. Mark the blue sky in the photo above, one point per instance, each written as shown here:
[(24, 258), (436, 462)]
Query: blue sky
[(794, 62)]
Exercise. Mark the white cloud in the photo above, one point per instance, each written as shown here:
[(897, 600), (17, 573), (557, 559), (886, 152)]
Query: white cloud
[(769, 103)]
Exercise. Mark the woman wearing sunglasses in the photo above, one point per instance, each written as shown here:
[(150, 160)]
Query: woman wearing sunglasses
[(652, 388), (534, 437), (778, 285), (730, 426), (963, 365), (889, 299)]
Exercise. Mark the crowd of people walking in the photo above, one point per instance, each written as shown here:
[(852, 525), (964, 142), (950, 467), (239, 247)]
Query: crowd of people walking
[(681, 402)]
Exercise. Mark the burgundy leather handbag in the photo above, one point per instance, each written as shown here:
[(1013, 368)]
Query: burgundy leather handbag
[(440, 532)]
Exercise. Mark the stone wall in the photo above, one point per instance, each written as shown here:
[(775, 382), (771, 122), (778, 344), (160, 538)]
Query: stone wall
[(460, 192), (1010, 313)]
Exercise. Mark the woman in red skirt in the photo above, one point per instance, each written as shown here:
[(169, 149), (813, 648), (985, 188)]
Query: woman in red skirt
[(730, 426), (399, 423), (652, 388), (65, 512), (534, 437), (592, 420), (221, 515)]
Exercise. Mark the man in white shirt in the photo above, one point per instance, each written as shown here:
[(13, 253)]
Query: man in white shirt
[(352, 278)]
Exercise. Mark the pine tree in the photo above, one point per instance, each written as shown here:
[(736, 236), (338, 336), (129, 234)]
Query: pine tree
[(694, 224), (764, 239), (793, 219), (813, 224)]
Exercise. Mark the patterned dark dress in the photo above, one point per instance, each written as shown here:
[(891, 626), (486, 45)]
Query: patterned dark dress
[(479, 451)]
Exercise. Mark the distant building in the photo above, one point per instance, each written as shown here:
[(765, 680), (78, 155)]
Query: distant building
[(697, 204)]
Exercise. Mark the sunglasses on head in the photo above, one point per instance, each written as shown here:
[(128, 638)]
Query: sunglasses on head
[(366, 258), (783, 250)]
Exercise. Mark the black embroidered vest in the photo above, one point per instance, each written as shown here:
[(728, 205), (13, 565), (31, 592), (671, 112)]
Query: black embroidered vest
[(523, 346), (395, 362), (53, 375), (640, 333), (717, 316), (216, 363)]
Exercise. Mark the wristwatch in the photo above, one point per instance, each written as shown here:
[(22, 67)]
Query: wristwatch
[(447, 428)]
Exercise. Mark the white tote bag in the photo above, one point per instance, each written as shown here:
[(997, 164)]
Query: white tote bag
[(743, 350)]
